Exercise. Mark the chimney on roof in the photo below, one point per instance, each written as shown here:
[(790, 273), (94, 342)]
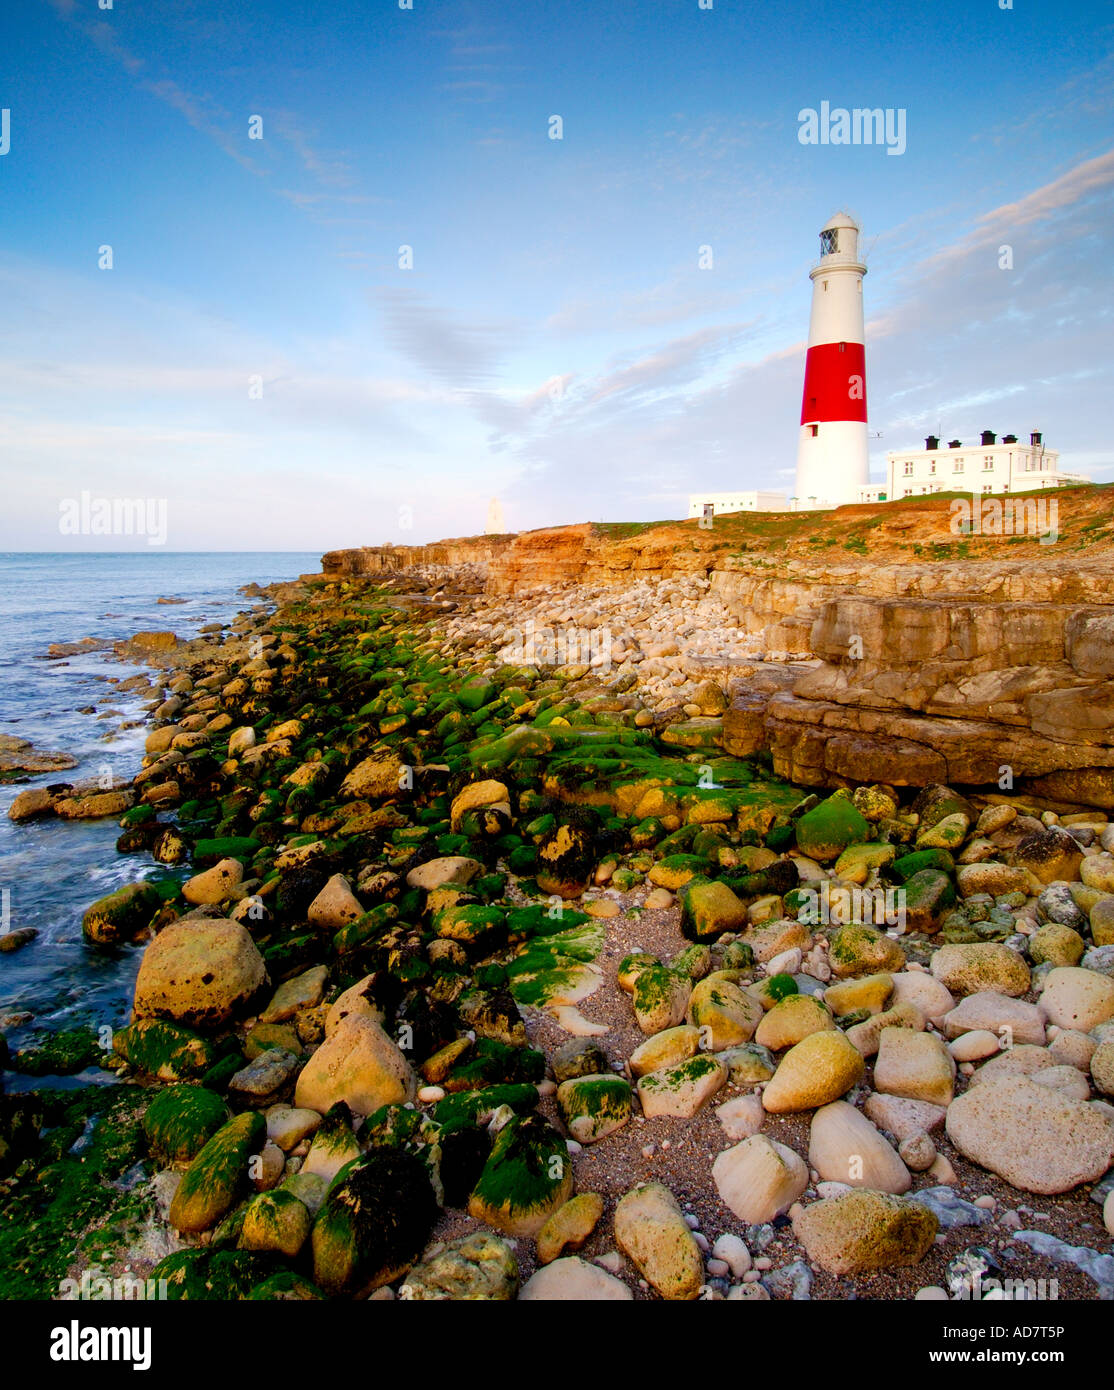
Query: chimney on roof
[(1035, 437), (1009, 439), (955, 444), (932, 442), (988, 436)]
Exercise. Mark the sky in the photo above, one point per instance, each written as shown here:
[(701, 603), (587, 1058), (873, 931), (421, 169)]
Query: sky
[(407, 298)]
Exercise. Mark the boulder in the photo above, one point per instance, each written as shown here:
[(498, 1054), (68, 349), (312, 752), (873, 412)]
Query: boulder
[(594, 1106), (1077, 998), (527, 1177), (215, 885), (819, 1069), (759, 1178), (479, 1267), (335, 906), (358, 1064), (651, 1231), (844, 1146), (664, 1050), (373, 1224), (660, 998), (792, 1020), (570, 1226), (200, 973), (573, 1280), (723, 1013), (710, 908), (863, 1231), (476, 795), (682, 1089), (1032, 1136), (855, 949), (904, 1118), (916, 1066), (120, 916), (454, 870), (994, 1012), (218, 1175), (829, 828), (979, 966)]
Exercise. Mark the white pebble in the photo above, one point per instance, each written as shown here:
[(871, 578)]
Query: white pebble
[(732, 1249), (648, 1151), (428, 1094), (573, 1147), (691, 1220), (611, 1260), (763, 1262), (702, 1241), (718, 1268), (931, 1292), (987, 1202), (545, 1088)]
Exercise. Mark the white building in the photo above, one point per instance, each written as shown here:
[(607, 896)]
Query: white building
[(988, 466), (723, 502)]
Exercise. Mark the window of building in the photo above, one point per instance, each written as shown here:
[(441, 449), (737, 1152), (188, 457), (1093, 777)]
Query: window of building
[(907, 467), (932, 467), (988, 487), (814, 430), (957, 466), (908, 492), (988, 461)]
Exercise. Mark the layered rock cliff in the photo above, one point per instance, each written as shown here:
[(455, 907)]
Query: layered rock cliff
[(980, 660)]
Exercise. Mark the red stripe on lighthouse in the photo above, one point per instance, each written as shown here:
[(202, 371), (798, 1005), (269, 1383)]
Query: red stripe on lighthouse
[(835, 383)]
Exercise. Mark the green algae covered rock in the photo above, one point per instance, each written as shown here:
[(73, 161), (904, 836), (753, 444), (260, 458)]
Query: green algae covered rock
[(909, 864), (928, 895), (275, 1221), (181, 1120), (525, 1180), (710, 908), (856, 949), (471, 1107), (826, 831), (660, 998), (286, 1287), (219, 1174), (242, 847), (122, 915), (594, 1106), (207, 1275), (374, 1223), (165, 1050)]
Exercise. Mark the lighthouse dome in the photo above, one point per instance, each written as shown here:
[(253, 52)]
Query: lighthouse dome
[(840, 237)]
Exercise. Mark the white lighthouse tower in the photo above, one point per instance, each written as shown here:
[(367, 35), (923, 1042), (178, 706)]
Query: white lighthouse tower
[(832, 451)]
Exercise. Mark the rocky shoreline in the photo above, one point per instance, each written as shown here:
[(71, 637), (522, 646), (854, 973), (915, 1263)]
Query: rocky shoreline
[(478, 964)]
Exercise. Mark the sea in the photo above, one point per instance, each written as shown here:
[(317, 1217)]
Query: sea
[(51, 870)]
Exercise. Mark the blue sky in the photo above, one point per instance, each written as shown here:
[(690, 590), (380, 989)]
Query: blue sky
[(556, 343)]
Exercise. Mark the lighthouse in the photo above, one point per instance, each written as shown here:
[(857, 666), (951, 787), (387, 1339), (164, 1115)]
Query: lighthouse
[(832, 449)]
